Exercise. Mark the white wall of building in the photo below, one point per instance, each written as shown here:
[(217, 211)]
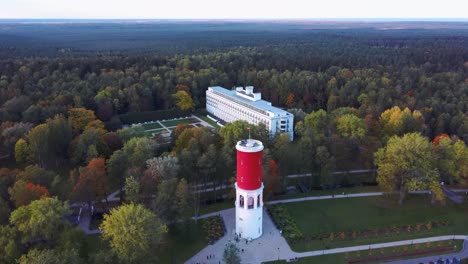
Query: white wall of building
[(228, 109), (249, 220)]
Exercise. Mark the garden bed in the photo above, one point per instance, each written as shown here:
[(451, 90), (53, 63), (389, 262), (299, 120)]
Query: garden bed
[(214, 228)]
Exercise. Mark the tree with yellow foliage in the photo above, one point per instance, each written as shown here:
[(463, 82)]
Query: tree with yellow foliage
[(408, 163), (183, 100), (395, 121), (79, 118)]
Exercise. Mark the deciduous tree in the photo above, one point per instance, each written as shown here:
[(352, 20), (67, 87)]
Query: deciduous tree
[(163, 168), (183, 100), (133, 233), (9, 244), (92, 183), (23, 193), (21, 151), (231, 254), (80, 117), (351, 127), (406, 164), (40, 220), (183, 199), (50, 256), (132, 189)]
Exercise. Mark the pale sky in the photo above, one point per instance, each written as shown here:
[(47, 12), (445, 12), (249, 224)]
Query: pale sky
[(242, 9)]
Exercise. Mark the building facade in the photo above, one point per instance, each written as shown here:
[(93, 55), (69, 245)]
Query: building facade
[(244, 104), (249, 189)]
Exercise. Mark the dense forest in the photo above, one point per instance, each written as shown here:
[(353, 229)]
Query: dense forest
[(65, 97)]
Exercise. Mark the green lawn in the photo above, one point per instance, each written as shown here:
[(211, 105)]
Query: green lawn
[(390, 251), (209, 121), (151, 126), (214, 207), (182, 243), (179, 121), (322, 217), (158, 131)]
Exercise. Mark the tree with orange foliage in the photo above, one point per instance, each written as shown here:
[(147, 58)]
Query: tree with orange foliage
[(23, 193), (91, 184), (437, 139), (290, 99), (272, 179), (183, 87)]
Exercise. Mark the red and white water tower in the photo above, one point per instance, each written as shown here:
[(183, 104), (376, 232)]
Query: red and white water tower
[(249, 189)]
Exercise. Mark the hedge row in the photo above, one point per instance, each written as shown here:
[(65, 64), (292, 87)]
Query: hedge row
[(139, 117)]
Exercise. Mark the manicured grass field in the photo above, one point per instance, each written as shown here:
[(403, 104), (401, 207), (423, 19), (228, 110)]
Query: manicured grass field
[(209, 121), (214, 207), (179, 121), (182, 243), (337, 215), (151, 126)]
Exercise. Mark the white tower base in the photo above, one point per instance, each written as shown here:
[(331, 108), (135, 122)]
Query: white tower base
[(249, 216)]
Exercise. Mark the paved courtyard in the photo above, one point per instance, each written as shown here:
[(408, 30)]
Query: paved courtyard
[(270, 246)]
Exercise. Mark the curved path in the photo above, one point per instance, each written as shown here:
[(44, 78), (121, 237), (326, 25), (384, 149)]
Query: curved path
[(463, 254), (272, 245)]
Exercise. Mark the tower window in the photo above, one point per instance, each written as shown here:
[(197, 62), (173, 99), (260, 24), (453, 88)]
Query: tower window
[(250, 203), (241, 201)]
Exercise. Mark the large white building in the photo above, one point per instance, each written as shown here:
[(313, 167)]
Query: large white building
[(244, 104)]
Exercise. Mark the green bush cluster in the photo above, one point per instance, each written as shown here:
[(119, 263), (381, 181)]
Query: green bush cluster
[(214, 228), (286, 223)]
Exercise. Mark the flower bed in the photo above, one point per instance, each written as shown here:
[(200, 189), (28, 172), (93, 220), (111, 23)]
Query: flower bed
[(214, 228), (370, 233), (285, 223)]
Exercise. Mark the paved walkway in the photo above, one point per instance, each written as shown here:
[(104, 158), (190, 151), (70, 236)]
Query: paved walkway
[(163, 126), (335, 173), (203, 122), (463, 254), (85, 220), (325, 197), (380, 245), (341, 196)]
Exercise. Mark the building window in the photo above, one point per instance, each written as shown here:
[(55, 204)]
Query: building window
[(258, 201), (241, 201), (250, 202)]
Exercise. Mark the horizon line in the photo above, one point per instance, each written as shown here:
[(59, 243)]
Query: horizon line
[(435, 19)]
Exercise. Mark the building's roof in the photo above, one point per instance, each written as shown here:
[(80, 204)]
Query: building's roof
[(260, 104)]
